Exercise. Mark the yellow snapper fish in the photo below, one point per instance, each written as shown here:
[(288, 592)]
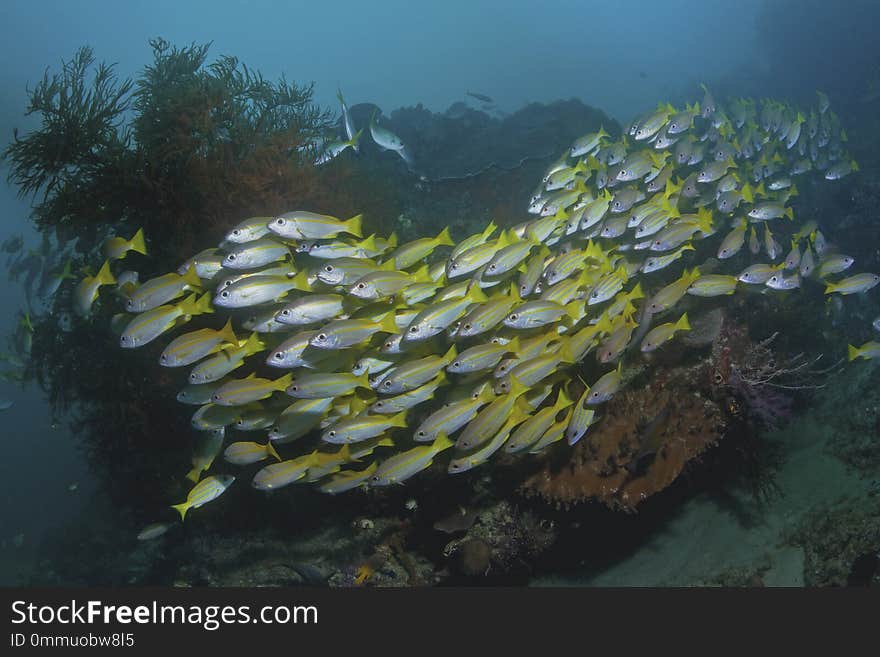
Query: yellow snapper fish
[(713, 285), (192, 347), (246, 453), (278, 475), (162, 289), (347, 480), (86, 291), (867, 351), (205, 491), (661, 334), (207, 449), (243, 391), (409, 254), (305, 225), (853, 285), (115, 248), (147, 326), (400, 467)]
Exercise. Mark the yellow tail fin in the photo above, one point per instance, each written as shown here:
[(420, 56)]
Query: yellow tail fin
[(353, 225), (444, 238), (137, 242), (852, 353), (181, 509)]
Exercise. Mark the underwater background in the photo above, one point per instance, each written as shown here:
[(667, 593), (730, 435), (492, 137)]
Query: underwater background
[(764, 486)]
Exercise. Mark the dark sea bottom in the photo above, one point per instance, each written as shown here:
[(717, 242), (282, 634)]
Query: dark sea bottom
[(810, 519)]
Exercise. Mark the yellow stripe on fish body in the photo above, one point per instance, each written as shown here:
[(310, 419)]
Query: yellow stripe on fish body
[(378, 284), (278, 475), (473, 240), (410, 398), (485, 452), (608, 286), (363, 427), (672, 293), (449, 419), (304, 225), (246, 453), (252, 255), (438, 316), (327, 463), (408, 254), (482, 357), (311, 309), (400, 467), (212, 416), (582, 417), (475, 257), (345, 271), (555, 433), (531, 271), (324, 384), (713, 285), (205, 491), (510, 256), (490, 419), (532, 371), (344, 333), (256, 290), (162, 289), (580, 343), (347, 480), (658, 335), (244, 391), (195, 345), (606, 387), (539, 312), (487, 315), (410, 375), (252, 228), (536, 425), (300, 418), (656, 263), (148, 326), (853, 284)]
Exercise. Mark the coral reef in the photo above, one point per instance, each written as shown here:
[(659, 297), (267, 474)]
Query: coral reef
[(645, 440), (841, 544)]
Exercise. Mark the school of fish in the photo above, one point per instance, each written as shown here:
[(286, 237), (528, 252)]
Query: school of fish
[(387, 355)]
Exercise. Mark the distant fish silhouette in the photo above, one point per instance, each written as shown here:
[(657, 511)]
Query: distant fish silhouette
[(480, 97)]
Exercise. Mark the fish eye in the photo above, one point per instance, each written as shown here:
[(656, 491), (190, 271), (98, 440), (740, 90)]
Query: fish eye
[(361, 286), (129, 304), (454, 265), (467, 327), (387, 384), (279, 221), (331, 433), (514, 316), (594, 295), (285, 312), (321, 337), (328, 268), (125, 338), (294, 388), (224, 294), (278, 355), (413, 329), (231, 256), (236, 232), (773, 279)]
